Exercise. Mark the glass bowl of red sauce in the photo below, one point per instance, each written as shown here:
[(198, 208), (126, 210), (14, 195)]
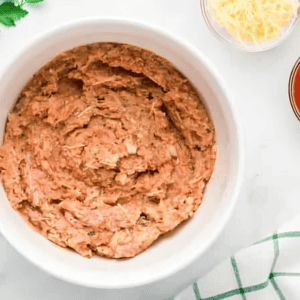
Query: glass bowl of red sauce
[(294, 89)]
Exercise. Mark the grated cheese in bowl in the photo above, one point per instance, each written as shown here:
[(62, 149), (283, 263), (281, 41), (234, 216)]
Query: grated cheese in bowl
[(253, 25)]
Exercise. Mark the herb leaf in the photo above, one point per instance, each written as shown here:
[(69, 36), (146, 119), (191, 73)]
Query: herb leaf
[(9, 13), (33, 1)]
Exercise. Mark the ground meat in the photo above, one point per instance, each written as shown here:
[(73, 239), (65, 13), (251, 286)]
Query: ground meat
[(107, 148)]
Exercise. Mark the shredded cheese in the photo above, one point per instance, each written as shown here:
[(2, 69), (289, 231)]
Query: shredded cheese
[(253, 21)]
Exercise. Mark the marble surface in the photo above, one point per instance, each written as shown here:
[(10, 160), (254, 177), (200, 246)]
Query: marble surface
[(259, 85)]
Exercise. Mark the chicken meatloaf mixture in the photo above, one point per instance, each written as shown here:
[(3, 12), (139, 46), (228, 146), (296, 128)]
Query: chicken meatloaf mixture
[(107, 148)]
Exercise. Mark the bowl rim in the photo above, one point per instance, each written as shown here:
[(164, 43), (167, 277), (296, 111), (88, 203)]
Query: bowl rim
[(235, 121), (296, 68)]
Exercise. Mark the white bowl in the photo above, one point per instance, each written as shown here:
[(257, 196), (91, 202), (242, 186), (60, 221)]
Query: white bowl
[(192, 239)]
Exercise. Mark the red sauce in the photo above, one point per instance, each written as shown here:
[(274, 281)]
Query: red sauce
[(296, 88)]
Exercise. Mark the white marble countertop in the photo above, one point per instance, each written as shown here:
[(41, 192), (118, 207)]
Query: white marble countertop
[(259, 85)]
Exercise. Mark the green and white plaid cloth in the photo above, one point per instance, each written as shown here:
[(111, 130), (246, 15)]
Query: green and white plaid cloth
[(268, 270)]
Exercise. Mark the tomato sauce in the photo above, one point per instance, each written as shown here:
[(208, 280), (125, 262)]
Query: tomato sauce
[(296, 88)]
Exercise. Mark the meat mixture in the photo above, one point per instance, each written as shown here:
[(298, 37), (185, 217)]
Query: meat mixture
[(107, 148)]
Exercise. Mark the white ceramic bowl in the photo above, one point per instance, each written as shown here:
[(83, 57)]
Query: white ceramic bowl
[(192, 239)]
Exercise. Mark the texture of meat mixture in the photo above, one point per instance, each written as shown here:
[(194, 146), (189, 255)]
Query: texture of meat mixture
[(107, 148)]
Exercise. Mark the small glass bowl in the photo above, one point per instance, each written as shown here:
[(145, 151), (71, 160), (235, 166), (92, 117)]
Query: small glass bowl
[(226, 37), (291, 88)]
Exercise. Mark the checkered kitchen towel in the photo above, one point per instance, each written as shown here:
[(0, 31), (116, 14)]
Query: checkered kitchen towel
[(268, 270)]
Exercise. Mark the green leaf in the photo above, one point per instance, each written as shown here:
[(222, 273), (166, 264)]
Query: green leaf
[(33, 1), (9, 13)]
